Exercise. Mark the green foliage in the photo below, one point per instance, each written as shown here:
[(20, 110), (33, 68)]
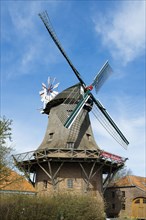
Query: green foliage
[(60, 207)]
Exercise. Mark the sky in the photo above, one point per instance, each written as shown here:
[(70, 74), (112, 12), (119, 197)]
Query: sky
[(90, 32)]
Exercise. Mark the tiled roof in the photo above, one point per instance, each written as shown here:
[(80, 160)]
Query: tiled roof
[(15, 182), (137, 181)]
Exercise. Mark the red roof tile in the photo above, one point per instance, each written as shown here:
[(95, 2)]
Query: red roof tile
[(15, 182)]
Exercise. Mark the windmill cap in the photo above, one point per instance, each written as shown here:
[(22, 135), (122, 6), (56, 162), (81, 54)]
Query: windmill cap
[(62, 96)]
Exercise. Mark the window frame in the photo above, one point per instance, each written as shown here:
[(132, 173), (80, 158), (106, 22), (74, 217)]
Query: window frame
[(70, 183), (70, 145), (123, 206)]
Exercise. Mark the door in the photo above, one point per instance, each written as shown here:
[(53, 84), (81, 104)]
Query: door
[(139, 208)]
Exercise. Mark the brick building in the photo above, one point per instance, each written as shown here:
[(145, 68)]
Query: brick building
[(127, 198)]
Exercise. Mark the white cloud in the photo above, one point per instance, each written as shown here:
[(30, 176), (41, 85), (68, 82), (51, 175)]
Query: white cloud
[(123, 30), (22, 33)]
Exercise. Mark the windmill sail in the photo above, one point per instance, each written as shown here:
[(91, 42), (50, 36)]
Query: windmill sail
[(45, 18), (77, 110), (108, 127), (102, 76), (110, 120), (73, 97), (78, 101)]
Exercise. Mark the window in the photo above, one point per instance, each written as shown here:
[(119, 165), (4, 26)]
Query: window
[(123, 193), (123, 206), (137, 201), (144, 201), (70, 183), (88, 136), (50, 136), (69, 110), (70, 145), (45, 184)]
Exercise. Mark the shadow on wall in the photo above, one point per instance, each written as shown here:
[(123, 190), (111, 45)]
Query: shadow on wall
[(115, 202)]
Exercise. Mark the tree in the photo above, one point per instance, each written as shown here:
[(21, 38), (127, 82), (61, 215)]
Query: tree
[(123, 172), (6, 161), (5, 149)]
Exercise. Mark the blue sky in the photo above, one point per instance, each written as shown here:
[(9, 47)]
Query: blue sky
[(91, 32)]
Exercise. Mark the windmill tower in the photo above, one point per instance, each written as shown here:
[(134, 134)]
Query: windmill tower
[(68, 159)]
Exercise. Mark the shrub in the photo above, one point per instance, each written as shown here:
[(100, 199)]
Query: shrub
[(60, 207)]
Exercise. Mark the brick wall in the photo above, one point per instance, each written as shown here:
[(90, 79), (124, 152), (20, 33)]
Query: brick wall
[(119, 200), (70, 178)]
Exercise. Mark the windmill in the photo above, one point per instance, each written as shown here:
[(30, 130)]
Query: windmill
[(82, 100), (48, 93), (69, 157)]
